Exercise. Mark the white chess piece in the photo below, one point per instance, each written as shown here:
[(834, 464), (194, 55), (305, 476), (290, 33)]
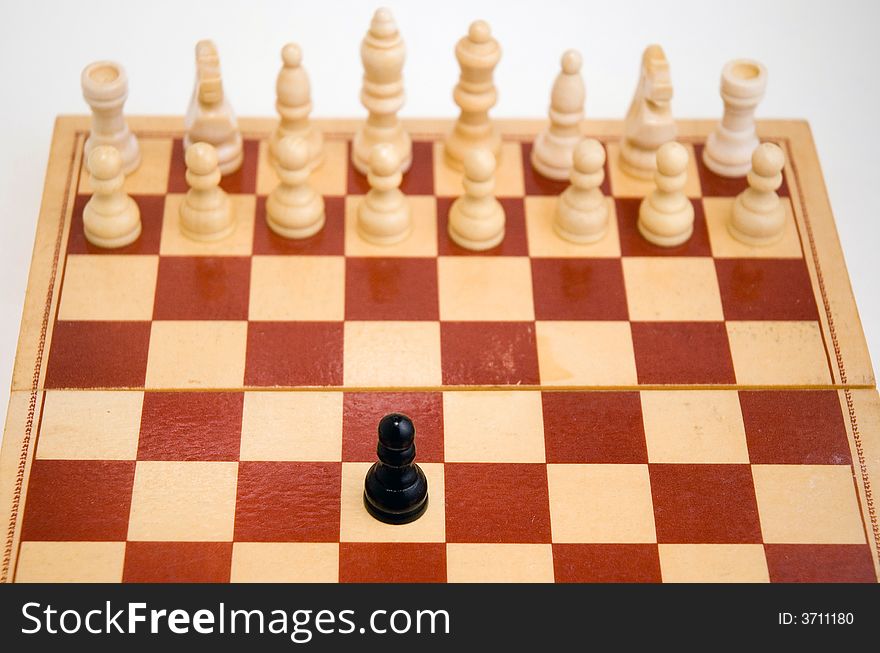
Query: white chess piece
[(205, 212), (554, 147), (209, 118), (105, 89), (729, 148), (666, 216), (582, 210), (382, 54), (294, 104), (294, 209), (478, 54), (384, 216), (758, 215), (111, 218), (476, 219), (649, 122)]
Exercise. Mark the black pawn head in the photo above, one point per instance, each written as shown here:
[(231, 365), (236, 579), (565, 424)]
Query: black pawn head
[(396, 431)]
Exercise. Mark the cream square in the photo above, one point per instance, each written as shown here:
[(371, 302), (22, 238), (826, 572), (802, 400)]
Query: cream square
[(581, 354), (239, 243), (601, 504), (70, 562), (183, 501), (808, 504), (392, 354), (357, 525), (422, 240), (285, 562), (717, 211), (198, 354), (493, 427), (687, 426), (544, 241), (713, 563), (151, 176), (499, 563), (90, 425), (672, 289), (108, 287), (297, 288), (778, 353), (485, 288), (509, 181), (301, 426), (623, 185), (330, 178)]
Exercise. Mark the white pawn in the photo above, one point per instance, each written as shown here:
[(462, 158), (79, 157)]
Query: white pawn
[(294, 105), (666, 216), (649, 122), (209, 118), (729, 148), (476, 219), (758, 216), (105, 89), (205, 213), (384, 215), (382, 53), (110, 218), (294, 209), (553, 149), (581, 211)]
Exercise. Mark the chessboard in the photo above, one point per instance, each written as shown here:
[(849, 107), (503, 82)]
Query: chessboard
[(187, 411)]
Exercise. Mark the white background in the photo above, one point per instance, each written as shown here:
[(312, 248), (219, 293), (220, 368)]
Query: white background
[(822, 58)]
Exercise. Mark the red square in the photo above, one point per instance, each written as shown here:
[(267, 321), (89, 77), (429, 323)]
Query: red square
[(820, 563), (514, 243), (495, 502), (330, 240), (418, 180), (717, 186), (397, 562), (391, 289), (190, 426), (632, 243), (766, 289), (579, 289), (537, 184), (98, 355), (202, 288), (606, 563), (489, 353), (177, 562), (294, 354), (594, 427), (151, 207), (362, 411), (288, 502), (704, 504), (242, 181), (682, 352), (795, 427), (78, 500)]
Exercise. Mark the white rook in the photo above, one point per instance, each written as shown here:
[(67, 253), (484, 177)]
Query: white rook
[(105, 88), (729, 148)]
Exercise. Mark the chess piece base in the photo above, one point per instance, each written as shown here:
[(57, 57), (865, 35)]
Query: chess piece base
[(103, 231), (401, 505), (551, 155)]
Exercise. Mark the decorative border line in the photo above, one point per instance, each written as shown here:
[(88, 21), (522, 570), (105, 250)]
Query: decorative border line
[(854, 425)]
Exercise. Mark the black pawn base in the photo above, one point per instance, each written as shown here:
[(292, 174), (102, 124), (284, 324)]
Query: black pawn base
[(406, 515), (395, 488)]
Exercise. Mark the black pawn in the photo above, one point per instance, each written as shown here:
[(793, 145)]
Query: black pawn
[(396, 489)]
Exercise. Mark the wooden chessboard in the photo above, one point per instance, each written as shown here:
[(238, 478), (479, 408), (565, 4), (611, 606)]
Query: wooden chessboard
[(606, 412)]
